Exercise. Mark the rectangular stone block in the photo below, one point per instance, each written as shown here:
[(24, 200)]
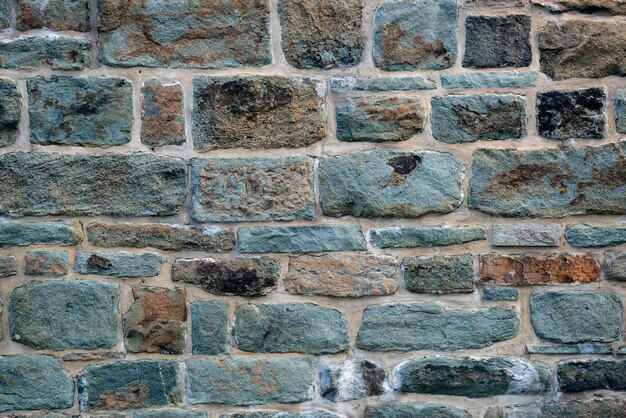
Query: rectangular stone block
[(497, 41), (400, 410), (439, 274), (34, 53), (61, 15), (141, 184), (119, 264), (606, 407), (500, 293), (346, 84), (565, 114), (252, 189), (162, 118), (170, 413), (8, 266), (620, 111), (495, 3), (507, 79), (11, 105), (209, 327), (583, 6), (615, 266), (33, 233), (4, 14), (181, 34), (583, 348), (591, 374), (46, 263), (300, 239), (526, 235), (408, 237), (595, 235)]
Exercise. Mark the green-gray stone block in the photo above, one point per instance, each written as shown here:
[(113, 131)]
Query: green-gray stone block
[(57, 15), (439, 274), (407, 410), (615, 266), (64, 314), (170, 413), (32, 233), (584, 348), (507, 79), (35, 53), (119, 264), (209, 327), (410, 237), (4, 14), (500, 293), (430, 326), (620, 111), (276, 414), (526, 235), (604, 408), (345, 84), (46, 263), (383, 184), (290, 328), (591, 374), (249, 381), (10, 112), (595, 235), (8, 267)]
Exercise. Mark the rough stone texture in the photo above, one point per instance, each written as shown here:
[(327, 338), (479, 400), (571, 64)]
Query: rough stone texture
[(170, 413), (526, 235), (616, 7), (61, 15), (620, 111), (595, 235), (430, 326), (458, 119), (549, 182), (390, 184), (198, 34), (275, 414), (352, 379), (129, 385), (56, 53), (4, 15), (252, 189), (155, 322), (408, 237), (249, 381), (300, 239), (93, 356), (346, 84), (579, 375), (576, 316), (411, 35), (615, 266), (46, 263), (322, 33), (161, 236), (8, 265), (605, 408), (407, 410), (500, 293), (278, 328), (256, 112), (380, 119), (64, 314), (582, 48), (10, 112), (510, 79), (497, 41), (472, 377), (162, 118), (524, 270), (34, 382), (239, 276), (495, 3), (564, 114), (119, 264), (209, 327), (346, 276), (31, 233), (584, 348), (439, 274), (141, 184)]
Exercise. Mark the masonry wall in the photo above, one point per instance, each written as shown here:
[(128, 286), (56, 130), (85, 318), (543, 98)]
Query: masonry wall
[(313, 208)]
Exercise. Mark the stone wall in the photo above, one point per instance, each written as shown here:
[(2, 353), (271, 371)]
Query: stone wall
[(313, 208)]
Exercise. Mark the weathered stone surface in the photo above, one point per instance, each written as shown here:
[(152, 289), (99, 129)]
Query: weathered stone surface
[(500, 293), (390, 184), (249, 381), (10, 112), (620, 111), (345, 84), (352, 379), (497, 41), (239, 276), (322, 33), (34, 382), (407, 410), (274, 414), (510, 79), (579, 375), (290, 328), (155, 322), (300, 239), (380, 119), (605, 408), (430, 326), (595, 235), (43, 415), (564, 114), (495, 3), (526, 235), (199, 34), (56, 53), (411, 36), (161, 236), (582, 48), (584, 348), (209, 327), (346, 276), (472, 377), (616, 7), (4, 15), (46, 263), (64, 314), (170, 413), (31, 233), (615, 266), (92, 356), (59, 15), (119, 264), (162, 118), (252, 189), (439, 274), (523, 270), (141, 184), (549, 182), (457, 119), (8, 265), (576, 316), (257, 112), (408, 237), (129, 385)]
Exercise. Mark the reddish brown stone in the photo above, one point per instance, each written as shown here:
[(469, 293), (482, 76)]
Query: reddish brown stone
[(163, 122)]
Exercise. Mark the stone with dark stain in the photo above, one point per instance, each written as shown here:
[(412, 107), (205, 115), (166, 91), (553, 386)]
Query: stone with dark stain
[(497, 41), (10, 112), (119, 264), (352, 379), (587, 408), (8, 266), (239, 276), (58, 15), (46, 263), (616, 7), (439, 274), (615, 266), (41, 52), (564, 114), (591, 374), (163, 120), (209, 327)]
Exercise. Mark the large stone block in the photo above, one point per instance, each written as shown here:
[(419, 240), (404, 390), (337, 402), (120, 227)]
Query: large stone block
[(497, 41), (409, 237), (10, 112), (119, 264), (439, 274), (591, 374), (32, 233), (564, 114), (53, 52), (61, 15), (163, 118)]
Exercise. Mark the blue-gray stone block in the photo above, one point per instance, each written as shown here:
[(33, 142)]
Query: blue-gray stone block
[(526, 235), (346, 84), (500, 293), (409, 237), (620, 111), (170, 413), (4, 14), (57, 15), (615, 266), (584, 348), (11, 105), (35, 53), (46, 263), (507, 79), (119, 264), (602, 407), (439, 274), (209, 327), (595, 235), (32, 233), (407, 410)]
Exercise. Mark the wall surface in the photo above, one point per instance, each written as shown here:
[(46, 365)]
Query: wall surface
[(312, 208)]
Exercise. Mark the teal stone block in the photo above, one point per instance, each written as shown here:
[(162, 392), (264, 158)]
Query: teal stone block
[(119, 264), (409, 237)]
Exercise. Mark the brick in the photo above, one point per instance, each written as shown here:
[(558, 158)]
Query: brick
[(239, 276), (32, 233), (584, 348), (300, 239), (405, 410), (346, 276), (46, 263), (549, 183), (162, 118), (352, 379), (252, 189), (390, 184), (249, 381), (524, 270), (209, 327), (257, 112), (409, 237), (430, 326), (64, 314), (606, 408), (497, 41), (53, 14), (410, 36), (500, 293), (576, 316), (526, 235), (11, 105), (564, 114), (8, 265), (595, 235), (584, 6), (119, 264), (439, 274), (139, 184), (591, 374), (170, 413), (35, 53), (346, 84), (278, 328), (200, 34), (507, 79), (615, 266), (620, 111)]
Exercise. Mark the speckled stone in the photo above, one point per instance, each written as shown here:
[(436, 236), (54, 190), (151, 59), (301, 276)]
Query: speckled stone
[(162, 118), (209, 327), (118, 264), (439, 274), (507, 79), (4, 14), (35, 53), (605, 408), (32, 233), (591, 374), (170, 413), (620, 111), (316, 413), (526, 235), (497, 41), (615, 266), (582, 348), (407, 410), (595, 235), (8, 267), (616, 7), (61, 15), (409, 237), (500, 293), (10, 112), (46, 263), (346, 84), (564, 114)]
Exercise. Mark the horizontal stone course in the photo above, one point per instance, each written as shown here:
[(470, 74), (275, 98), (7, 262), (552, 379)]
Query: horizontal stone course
[(505, 79), (401, 410), (607, 408), (409, 237), (47, 232), (595, 235), (526, 235), (56, 53), (591, 374), (347, 84), (8, 266), (118, 264)]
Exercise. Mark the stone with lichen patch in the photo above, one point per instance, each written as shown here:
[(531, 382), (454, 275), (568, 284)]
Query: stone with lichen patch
[(46, 263), (526, 235), (565, 114), (352, 379), (162, 121), (10, 112), (39, 52), (497, 41), (439, 274), (58, 15)]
